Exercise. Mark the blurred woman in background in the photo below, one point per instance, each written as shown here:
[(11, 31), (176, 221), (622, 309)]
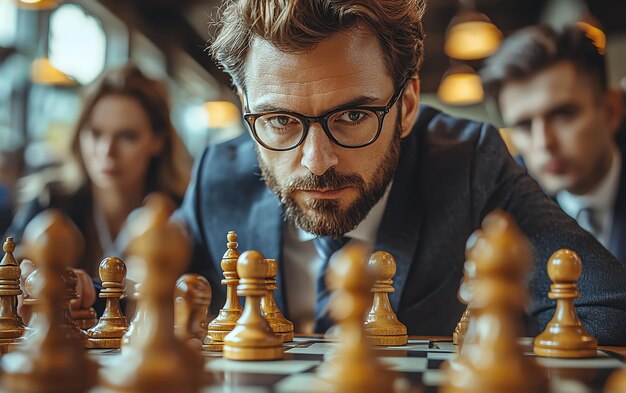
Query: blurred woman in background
[(123, 147)]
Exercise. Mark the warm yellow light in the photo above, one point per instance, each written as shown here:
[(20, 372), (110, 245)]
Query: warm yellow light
[(595, 34), (37, 4), (461, 87), (221, 114), (43, 72), (471, 40)]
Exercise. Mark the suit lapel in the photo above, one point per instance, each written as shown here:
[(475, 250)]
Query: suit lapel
[(617, 244), (399, 231)]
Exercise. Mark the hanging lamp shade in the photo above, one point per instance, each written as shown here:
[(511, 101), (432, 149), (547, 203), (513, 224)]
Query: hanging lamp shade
[(594, 32), (221, 114), (43, 72), (471, 35), (37, 4), (566, 12), (460, 85)]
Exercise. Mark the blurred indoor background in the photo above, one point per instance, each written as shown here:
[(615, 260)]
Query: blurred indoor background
[(50, 48)]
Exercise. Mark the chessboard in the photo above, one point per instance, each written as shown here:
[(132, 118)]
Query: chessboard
[(416, 366)]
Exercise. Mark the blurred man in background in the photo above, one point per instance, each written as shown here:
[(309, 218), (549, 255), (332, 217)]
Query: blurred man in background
[(551, 88)]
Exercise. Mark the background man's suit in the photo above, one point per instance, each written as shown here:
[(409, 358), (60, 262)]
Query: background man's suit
[(617, 244), (451, 174)]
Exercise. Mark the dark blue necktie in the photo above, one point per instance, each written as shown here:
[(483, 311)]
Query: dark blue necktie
[(326, 247), (587, 219)]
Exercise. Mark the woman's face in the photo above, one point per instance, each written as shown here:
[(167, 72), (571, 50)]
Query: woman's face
[(117, 143)]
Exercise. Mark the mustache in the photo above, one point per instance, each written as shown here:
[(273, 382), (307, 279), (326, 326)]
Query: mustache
[(330, 179)]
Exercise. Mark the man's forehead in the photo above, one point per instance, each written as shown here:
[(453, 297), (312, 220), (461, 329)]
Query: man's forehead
[(556, 85), (342, 64)]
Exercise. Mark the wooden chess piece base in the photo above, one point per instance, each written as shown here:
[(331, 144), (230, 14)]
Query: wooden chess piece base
[(616, 382), (6, 345), (282, 328), (213, 347), (253, 353), (388, 340), (214, 341), (285, 337), (384, 329), (559, 341), (104, 343), (84, 318)]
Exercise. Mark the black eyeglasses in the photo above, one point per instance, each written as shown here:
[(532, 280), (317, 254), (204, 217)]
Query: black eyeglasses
[(350, 127)]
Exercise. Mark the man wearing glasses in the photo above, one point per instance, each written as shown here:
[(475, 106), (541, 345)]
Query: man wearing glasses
[(339, 150)]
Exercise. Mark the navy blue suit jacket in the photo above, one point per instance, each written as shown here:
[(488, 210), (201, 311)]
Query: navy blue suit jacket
[(451, 174), (617, 244)]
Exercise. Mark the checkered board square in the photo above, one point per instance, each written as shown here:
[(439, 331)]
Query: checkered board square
[(417, 364)]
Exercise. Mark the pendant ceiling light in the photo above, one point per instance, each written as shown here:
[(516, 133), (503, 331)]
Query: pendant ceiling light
[(44, 73), (471, 35), (460, 85), (37, 4), (594, 32), (566, 12), (221, 114)]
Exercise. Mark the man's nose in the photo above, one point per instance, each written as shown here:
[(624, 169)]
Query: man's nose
[(543, 136), (318, 151)]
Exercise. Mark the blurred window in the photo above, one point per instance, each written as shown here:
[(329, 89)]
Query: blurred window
[(8, 22), (77, 43)]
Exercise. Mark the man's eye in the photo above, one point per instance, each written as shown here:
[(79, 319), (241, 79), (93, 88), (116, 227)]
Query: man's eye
[(280, 121), (522, 127), (352, 116)]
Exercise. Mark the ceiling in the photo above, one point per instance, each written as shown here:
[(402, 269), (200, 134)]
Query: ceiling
[(185, 24)]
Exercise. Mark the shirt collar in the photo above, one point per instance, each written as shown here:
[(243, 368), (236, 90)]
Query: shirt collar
[(367, 229), (601, 199)]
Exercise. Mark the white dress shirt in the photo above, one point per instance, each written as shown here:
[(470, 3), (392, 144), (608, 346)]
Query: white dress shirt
[(302, 264), (601, 201)]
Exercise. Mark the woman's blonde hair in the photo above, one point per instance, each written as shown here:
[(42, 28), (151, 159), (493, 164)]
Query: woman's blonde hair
[(168, 172), (299, 25)]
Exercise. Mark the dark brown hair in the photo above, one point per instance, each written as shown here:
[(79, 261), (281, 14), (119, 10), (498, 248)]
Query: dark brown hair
[(170, 170), (299, 25), (536, 48)]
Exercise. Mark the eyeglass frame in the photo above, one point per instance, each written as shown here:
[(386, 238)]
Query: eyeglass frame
[(380, 111)]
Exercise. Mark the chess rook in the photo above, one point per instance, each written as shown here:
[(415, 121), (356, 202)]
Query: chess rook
[(71, 281), (382, 325), (230, 313), (192, 299), (50, 360), (252, 338), (353, 368), (112, 325), (11, 324), (491, 360), (84, 318), (279, 324), (565, 336)]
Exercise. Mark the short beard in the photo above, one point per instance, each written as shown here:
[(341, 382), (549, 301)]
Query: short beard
[(325, 217)]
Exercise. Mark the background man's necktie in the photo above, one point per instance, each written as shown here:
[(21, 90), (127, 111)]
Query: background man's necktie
[(588, 221), (326, 247)]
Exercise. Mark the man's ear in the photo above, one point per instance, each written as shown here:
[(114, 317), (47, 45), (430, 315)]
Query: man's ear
[(410, 105)]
